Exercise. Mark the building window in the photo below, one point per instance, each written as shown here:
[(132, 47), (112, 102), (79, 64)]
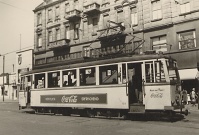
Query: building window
[(57, 13), (76, 31), (76, 3), (85, 28), (67, 7), (39, 40), (105, 21), (187, 39), (134, 17), (159, 43), (50, 36), (156, 10), (39, 19), (58, 34), (86, 51), (67, 32), (138, 47), (120, 16), (95, 26), (49, 15), (184, 8)]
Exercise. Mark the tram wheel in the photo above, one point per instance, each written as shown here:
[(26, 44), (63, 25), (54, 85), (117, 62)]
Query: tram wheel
[(90, 113)]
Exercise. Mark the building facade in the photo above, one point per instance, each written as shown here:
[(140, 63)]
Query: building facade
[(67, 31), (10, 89)]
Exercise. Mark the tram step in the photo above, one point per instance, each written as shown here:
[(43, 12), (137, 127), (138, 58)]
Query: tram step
[(137, 108)]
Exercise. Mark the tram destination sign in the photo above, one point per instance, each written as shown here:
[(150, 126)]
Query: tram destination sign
[(75, 99)]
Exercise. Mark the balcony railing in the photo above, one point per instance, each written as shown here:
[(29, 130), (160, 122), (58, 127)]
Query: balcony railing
[(110, 32), (73, 15), (92, 9), (59, 44)]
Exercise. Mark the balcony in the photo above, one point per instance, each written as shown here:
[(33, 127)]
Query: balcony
[(110, 32), (92, 9), (73, 15), (59, 44)]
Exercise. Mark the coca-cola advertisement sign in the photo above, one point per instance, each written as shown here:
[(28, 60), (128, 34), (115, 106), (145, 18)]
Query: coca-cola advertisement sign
[(75, 99)]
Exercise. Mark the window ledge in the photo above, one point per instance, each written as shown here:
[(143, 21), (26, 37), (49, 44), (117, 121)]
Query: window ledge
[(134, 25), (193, 11), (39, 46), (38, 25), (75, 38), (154, 20), (94, 33)]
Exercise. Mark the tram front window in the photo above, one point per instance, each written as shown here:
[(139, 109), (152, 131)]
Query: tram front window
[(172, 70)]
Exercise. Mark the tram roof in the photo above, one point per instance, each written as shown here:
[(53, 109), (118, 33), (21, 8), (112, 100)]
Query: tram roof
[(99, 62)]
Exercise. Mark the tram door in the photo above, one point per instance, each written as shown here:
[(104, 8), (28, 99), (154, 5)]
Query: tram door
[(135, 83), (28, 85)]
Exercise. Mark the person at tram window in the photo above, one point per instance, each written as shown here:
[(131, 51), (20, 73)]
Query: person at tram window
[(114, 81)]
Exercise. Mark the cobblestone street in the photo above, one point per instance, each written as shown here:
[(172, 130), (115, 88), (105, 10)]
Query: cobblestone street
[(18, 122)]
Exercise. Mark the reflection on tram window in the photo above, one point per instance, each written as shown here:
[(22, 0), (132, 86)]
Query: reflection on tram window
[(109, 74), (87, 76), (54, 79), (69, 78), (40, 81)]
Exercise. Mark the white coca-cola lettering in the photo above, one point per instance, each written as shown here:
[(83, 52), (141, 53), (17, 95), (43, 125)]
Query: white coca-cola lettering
[(70, 99), (156, 95), (90, 98)]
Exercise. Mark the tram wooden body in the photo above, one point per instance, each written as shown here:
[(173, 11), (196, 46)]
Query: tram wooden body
[(109, 87)]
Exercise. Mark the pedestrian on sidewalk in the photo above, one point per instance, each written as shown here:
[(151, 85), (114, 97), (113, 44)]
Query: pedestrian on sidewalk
[(193, 97), (184, 96)]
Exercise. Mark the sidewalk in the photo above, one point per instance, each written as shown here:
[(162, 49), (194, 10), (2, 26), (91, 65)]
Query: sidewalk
[(192, 108), (8, 101)]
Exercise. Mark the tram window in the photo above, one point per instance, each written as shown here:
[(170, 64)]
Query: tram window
[(69, 78), (124, 73), (22, 84), (108, 74), (28, 82), (155, 73), (54, 79), (40, 81), (87, 76), (159, 72), (149, 72)]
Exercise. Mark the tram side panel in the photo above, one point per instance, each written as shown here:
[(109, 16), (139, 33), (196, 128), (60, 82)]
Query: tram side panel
[(157, 97), (108, 97)]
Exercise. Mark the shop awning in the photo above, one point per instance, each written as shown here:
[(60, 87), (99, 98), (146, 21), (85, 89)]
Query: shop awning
[(188, 74)]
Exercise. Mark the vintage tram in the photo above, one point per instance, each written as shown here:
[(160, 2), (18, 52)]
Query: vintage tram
[(115, 86)]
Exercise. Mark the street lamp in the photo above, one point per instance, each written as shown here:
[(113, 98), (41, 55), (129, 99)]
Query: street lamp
[(3, 87)]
